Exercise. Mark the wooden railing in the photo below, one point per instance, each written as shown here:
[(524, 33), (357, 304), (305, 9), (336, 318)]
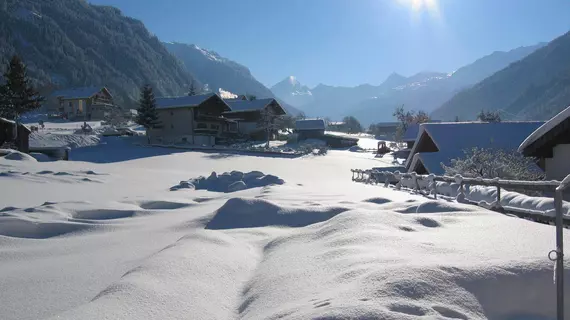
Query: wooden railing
[(427, 185)]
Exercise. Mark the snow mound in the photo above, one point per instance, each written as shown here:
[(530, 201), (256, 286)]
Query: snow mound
[(199, 276), (437, 207), (38, 223), (104, 214), (40, 157), (441, 207), (23, 228), (10, 154), (378, 200), (254, 213), (230, 182), (163, 205)]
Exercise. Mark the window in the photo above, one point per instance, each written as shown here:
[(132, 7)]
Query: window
[(171, 113), (214, 127), (171, 126), (70, 104), (202, 126)]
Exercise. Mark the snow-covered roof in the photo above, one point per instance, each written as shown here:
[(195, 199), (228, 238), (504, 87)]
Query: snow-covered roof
[(183, 101), (238, 105), (7, 121), (411, 133), (545, 128), (77, 93), (311, 124), (337, 123), (452, 138)]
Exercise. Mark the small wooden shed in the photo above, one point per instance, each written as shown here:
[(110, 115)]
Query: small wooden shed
[(17, 136)]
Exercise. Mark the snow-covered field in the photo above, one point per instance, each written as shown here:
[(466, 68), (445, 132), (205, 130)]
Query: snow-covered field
[(104, 237)]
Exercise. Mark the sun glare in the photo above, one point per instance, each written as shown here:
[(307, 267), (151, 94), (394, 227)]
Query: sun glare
[(421, 5)]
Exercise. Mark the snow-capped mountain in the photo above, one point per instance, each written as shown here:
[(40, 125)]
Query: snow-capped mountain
[(422, 91), (216, 71), (211, 69), (293, 92)]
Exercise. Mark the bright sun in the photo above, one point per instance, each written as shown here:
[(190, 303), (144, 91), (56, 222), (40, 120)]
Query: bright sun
[(420, 5)]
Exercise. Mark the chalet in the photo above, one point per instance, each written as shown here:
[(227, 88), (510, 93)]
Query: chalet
[(16, 136), (550, 144), (248, 113), (310, 129), (439, 143), (410, 135), (192, 119), (88, 103)]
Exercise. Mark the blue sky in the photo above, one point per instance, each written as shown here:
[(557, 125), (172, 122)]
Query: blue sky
[(350, 42)]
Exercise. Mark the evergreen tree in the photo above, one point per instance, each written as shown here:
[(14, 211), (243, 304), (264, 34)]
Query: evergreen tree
[(17, 95), (147, 113), (352, 124), (193, 91), (489, 116)]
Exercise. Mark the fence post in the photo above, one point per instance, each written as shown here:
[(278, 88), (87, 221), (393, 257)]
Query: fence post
[(461, 195), (559, 254), (498, 195)]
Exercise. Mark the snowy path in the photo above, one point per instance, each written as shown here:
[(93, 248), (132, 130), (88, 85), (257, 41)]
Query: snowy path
[(96, 240)]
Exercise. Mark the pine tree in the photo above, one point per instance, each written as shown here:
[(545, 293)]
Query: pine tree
[(17, 95), (147, 113), (193, 91)]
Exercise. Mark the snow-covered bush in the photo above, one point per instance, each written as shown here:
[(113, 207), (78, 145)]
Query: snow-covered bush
[(229, 181), (490, 163)]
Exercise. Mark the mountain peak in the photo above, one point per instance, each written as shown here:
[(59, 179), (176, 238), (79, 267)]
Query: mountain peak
[(292, 91)]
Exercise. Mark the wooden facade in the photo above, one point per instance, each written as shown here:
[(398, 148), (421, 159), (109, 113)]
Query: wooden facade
[(84, 103), (14, 136), (193, 120)]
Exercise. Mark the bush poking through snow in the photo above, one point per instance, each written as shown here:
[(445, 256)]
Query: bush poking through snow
[(229, 181)]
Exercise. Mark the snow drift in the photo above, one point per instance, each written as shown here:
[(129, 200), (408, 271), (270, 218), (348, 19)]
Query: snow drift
[(10, 154)]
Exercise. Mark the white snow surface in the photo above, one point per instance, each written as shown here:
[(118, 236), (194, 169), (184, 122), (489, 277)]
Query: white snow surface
[(104, 238)]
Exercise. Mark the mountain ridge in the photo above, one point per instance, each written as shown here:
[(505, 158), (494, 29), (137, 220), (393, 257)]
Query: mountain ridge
[(535, 87), (219, 72), (64, 43), (426, 90)]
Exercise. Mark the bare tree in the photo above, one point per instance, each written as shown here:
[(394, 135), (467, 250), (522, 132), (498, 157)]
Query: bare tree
[(407, 118), (491, 163), (269, 122)]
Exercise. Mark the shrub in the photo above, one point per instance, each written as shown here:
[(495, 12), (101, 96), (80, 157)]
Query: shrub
[(490, 163)]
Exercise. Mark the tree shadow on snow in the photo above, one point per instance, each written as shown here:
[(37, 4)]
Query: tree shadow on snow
[(118, 149)]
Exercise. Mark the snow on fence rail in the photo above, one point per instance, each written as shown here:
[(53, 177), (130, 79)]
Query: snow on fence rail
[(487, 193), (458, 186)]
